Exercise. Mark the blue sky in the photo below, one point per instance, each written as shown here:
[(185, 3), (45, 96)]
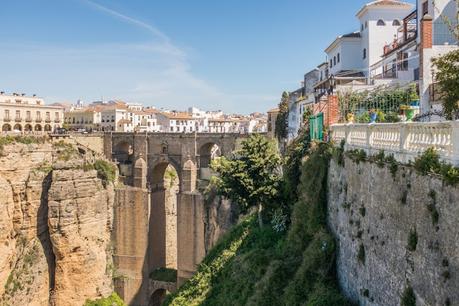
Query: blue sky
[(234, 55)]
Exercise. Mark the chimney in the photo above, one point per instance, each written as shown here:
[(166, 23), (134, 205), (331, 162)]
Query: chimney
[(426, 40)]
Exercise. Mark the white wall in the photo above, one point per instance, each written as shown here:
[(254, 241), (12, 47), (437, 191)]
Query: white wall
[(375, 37)]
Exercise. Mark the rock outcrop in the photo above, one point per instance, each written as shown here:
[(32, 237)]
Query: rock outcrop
[(55, 226)]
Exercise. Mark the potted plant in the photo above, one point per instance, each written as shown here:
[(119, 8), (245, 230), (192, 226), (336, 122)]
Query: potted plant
[(373, 116), (350, 117), (414, 97), (408, 112)]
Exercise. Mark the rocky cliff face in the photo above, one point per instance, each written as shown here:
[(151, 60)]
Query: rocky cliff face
[(395, 231), (55, 224)]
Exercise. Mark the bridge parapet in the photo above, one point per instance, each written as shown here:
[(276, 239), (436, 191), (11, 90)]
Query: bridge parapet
[(404, 140)]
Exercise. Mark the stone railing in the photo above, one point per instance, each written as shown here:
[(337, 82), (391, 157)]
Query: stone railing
[(404, 140)]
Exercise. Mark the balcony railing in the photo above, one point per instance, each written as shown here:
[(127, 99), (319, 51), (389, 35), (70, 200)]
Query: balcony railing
[(399, 42), (404, 140), (28, 120), (7, 119), (38, 120), (18, 119), (47, 120)]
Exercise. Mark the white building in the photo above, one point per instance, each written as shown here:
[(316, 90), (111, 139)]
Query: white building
[(350, 56), (19, 113), (177, 122)]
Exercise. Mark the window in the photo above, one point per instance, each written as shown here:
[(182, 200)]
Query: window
[(331, 63), (28, 115), (380, 23), (338, 57), (334, 61), (425, 8), (56, 115), (18, 114), (396, 23), (402, 59), (47, 115), (7, 114), (364, 53), (361, 27), (38, 115), (366, 24)]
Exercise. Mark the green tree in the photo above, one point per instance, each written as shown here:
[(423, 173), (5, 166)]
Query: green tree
[(447, 76), (282, 117), (251, 176)]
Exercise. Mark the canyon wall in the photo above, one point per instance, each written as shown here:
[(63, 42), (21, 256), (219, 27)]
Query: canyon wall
[(396, 232), (55, 224)]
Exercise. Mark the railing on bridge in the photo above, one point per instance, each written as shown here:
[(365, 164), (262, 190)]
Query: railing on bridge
[(404, 140)]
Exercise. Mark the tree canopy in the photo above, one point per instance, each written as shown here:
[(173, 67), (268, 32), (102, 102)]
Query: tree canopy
[(282, 117), (447, 76), (251, 177)]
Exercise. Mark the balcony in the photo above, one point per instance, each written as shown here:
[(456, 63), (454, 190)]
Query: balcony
[(28, 120), (38, 120), (57, 120), (405, 34), (47, 120), (7, 119), (17, 119)]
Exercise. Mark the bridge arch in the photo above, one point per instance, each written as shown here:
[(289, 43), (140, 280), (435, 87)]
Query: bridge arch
[(164, 190), (207, 152), (157, 297), (123, 152)]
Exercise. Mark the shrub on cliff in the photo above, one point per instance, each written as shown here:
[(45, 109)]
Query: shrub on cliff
[(112, 300), (105, 170)]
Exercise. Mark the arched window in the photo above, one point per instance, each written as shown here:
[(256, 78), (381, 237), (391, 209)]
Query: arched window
[(380, 23), (364, 53), (338, 58), (396, 23)]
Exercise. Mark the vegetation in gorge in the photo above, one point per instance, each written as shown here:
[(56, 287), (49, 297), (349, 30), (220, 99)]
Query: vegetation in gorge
[(255, 265), (112, 300)]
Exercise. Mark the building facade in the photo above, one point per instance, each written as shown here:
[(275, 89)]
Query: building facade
[(22, 114)]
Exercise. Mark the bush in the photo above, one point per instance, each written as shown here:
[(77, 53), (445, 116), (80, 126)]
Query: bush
[(106, 171), (112, 300), (428, 162), (357, 155)]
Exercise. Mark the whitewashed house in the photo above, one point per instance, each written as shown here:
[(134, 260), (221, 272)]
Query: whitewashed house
[(351, 56)]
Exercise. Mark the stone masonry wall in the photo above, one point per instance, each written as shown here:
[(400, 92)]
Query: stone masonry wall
[(373, 216)]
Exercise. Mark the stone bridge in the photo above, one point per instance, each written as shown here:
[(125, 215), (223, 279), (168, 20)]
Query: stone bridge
[(144, 235)]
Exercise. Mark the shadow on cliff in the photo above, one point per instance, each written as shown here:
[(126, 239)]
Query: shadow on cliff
[(43, 233)]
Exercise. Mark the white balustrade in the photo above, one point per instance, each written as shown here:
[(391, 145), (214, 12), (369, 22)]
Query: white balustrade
[(404, 140)]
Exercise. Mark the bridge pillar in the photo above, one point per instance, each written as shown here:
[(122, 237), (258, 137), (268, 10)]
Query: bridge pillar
[(130, 239), (157, 232), (190, 234)]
